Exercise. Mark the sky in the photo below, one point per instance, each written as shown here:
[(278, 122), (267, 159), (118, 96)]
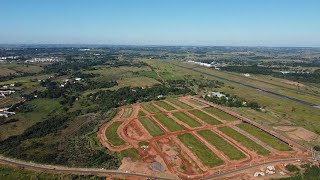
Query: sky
[(161, 22)]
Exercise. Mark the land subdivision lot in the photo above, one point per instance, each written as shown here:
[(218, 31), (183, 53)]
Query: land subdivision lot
[(188, 141), (165, 105), (205, 117), (151, 126), (150, 108), (265, 137), (179, 103), (232, 152), (169, 123), (221, 114), (186, 119)]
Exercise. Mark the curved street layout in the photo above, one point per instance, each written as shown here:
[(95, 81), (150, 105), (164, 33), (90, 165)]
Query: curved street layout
[(190, 138)]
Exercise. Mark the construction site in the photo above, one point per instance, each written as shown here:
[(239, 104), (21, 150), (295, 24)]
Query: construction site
[(190, 138)]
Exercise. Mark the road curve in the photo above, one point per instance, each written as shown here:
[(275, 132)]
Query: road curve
[(247, 85), (68, 170)]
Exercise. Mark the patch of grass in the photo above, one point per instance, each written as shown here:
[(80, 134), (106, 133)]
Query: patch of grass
[(186, 119), (143, 143), (232, 152), (150, 108), (195, 102), (131, 153), (165, 105), (179, 103), (200, 150), (141, 113), (151, 127), (205, 117), (168, 122), (127, 112), (221, 114), (248, 143), (112, 135), (265, 137), (137, 82)]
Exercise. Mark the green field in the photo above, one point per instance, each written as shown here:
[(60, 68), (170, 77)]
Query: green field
[(179, 103), (112, 135), (221, 114), (205, 117), (232, 152), (200, 150), (248, 143), (150, 108), (169, 123), (151, 127), (141, 113), (131, 153), (265, 137), (186, 119), (195, 102), (127, 112), (165, 105)]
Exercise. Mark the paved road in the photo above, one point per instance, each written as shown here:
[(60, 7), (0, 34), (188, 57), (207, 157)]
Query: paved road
[(67, 170), (247, 85)]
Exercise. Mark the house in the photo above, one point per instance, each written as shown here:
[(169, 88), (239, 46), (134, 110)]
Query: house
[(218, 94), (246, 75)]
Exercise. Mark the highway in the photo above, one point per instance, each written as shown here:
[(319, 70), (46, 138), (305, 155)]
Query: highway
[(247, 85)]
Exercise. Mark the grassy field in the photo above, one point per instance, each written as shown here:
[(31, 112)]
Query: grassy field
[(112, 135), (186, 119), (200, 150), (136, 82), (179, 103), (141, 113), (165, 105), (248, 143), (265, 137), (232, 152), (131, 153), (197, 103), (151, 127), (7, 173), (8, 101), (42, 107), (127, 112), (205, 117), (221, 114), (169, 123), (150, 108)]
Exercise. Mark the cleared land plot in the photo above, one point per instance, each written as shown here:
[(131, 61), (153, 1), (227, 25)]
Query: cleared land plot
[(150, 108), (168, 122), (248, 143), (195, 102), (127, 112), (179, 103), (131, 153), (151, 127), (165, 105), (205, 117), (265, 137), (186, 119), (200, 150), (232, 152), (112, 135), (221, 114)]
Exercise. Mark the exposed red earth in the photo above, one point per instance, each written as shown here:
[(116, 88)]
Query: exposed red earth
[(175, 157)]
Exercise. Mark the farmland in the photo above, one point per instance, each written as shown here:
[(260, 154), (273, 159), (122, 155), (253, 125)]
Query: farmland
[(221, 114), (179, 103), (165, 105), (150, 108), (127, 112)]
